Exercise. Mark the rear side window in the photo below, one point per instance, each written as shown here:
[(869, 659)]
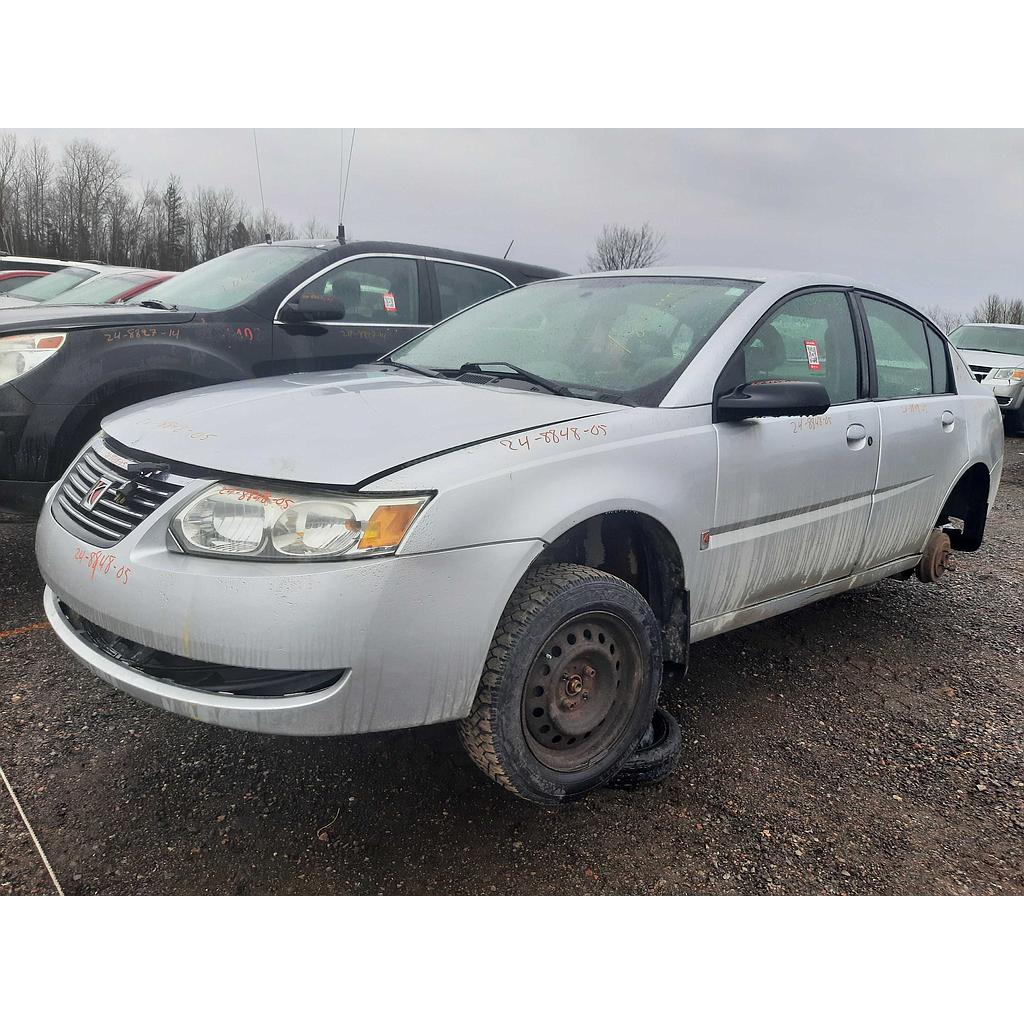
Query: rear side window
[(460, 287), (941, 383), (901, 351), (808, 338)]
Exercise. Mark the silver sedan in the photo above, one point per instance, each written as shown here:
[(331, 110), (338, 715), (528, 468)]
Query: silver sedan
[(516, 518)]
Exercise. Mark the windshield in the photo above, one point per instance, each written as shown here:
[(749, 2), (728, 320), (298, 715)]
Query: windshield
[(43, 288), (990, 338), (624, 335), (228, 280), (100, 290)]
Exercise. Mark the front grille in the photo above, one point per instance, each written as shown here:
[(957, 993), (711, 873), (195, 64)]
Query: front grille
[(208, 676), (980, 372), (118, 511)]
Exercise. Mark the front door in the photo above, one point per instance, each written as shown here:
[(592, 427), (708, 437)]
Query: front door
[(365, 307), (794, 493)]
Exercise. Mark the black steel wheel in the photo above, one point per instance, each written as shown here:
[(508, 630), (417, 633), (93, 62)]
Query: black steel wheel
[(570, 684)]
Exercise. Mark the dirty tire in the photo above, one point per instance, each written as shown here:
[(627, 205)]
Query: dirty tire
[(653, 763), (1013, 423), (548, 601)]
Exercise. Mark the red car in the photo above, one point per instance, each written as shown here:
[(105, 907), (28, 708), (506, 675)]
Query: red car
[(16, 278)]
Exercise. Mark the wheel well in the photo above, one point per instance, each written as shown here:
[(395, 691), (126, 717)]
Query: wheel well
[(968, 502), (76, 431), (638, 549)]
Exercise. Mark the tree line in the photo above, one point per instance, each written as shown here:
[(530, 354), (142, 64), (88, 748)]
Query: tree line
[(81, 205)]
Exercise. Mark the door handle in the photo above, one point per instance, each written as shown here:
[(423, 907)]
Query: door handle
[(857, 436), (948, 419)]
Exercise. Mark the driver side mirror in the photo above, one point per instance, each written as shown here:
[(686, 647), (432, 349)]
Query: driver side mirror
[(772, 398), (304, 311)]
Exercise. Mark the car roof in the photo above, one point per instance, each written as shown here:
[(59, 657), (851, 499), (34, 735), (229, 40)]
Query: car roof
[(10, 258), (757, 275), (458, 255)]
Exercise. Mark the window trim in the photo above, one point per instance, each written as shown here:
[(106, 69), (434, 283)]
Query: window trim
[(863, 293), (723, 383), (352, 323)]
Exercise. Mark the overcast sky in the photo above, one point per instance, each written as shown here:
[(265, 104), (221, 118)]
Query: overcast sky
[(936, 216)]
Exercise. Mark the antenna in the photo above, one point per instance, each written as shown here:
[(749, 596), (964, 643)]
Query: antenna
[(348, 169), (259, 177), (509, 249), (343, 182)]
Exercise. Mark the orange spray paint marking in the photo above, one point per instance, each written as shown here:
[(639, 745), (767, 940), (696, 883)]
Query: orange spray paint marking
[(24, 629)]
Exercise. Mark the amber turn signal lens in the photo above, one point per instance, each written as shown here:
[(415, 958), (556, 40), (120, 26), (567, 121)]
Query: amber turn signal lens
[(387, 526), (53, 341)]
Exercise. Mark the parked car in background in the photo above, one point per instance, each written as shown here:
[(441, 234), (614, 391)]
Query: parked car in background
[(513, 519), (16, 278), (257, 311), (119, 286), (995, 354), (48, 288), (46, 264)]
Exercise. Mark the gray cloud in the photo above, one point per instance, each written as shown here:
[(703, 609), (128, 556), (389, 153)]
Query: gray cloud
[(937, 216)]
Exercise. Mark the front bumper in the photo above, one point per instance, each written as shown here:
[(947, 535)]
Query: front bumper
[(406, 634), (1009, 396)]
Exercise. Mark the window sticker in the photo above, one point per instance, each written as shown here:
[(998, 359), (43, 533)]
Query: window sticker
[(390, 305), (813, 359)]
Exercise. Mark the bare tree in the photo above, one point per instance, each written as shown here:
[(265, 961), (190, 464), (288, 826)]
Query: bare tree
[(314, 229), (623, 248), (8, 183), (83, 207), (947, 319), (996, 310)]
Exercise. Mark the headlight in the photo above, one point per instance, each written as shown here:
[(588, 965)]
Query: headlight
[(20, 353), (272, 525), (1008, 373)]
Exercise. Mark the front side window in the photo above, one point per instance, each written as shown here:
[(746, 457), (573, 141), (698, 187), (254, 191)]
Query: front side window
[(902, 361), (370, 290), (628, 335), (809, 338), (49, 287), (460, 287)]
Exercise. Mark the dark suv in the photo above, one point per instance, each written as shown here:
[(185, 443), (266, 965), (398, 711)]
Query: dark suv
[(254, 312)]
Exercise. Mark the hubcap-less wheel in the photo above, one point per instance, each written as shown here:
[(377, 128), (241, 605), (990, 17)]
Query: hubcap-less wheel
[(581, 690)]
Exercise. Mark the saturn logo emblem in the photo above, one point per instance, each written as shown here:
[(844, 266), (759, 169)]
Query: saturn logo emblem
[(93, 495)]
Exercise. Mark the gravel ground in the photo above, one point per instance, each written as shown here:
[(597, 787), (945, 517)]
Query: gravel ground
[(868, 744)]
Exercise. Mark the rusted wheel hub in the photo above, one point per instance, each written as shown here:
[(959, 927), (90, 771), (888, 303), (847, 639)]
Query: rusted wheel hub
[(936, 558), (581, 690)]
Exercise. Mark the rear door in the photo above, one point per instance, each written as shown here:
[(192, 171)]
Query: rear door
[(366, 306), (923, 436), (794, 492)]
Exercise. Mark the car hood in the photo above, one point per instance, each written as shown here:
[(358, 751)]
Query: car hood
[(40, 316), (979, 357), (341, 427)]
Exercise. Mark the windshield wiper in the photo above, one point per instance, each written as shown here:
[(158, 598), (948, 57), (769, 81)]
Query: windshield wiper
[(542, 382), (427, 371), (157, 304)]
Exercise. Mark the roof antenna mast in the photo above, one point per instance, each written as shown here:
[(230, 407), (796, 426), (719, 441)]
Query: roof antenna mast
[(343, 176), (259, 178)]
